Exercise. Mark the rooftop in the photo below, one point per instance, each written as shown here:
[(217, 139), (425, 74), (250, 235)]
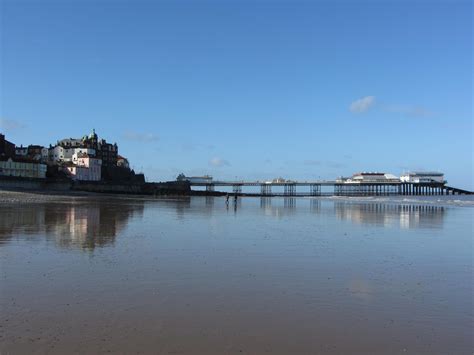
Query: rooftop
[(369, 173), (425, 173)]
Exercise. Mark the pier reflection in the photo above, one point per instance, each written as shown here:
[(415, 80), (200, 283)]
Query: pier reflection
[(405, 216), (315, 205), (278, 207), (85, 226)]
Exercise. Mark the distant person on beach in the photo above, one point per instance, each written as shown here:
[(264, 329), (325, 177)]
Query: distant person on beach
[(227, 199)]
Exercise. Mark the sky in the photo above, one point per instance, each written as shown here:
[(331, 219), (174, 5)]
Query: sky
[(246, 89)]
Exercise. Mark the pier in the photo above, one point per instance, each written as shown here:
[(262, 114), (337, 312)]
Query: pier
[(332, 188)]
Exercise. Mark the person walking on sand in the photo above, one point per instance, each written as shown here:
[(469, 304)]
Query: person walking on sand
[(235, 198), (227, 199)]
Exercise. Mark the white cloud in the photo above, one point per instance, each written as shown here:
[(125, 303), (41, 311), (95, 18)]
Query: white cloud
[(141, 137), (362, 105), (10, 125), (218, 162)]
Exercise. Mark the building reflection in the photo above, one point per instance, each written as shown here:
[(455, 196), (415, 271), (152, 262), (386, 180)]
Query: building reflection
[(85, 226), (406, 216), (182, 206)]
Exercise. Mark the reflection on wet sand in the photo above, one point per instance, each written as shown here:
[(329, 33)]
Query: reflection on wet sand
[(269, 275), (406, 216), (97, 223), (386, 214), (85, 226)]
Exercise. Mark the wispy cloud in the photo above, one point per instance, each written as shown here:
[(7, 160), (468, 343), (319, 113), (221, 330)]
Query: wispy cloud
[(366, 103), (10, 125), (191, 147), (218, 162), (140, 137), (409, 110), (328, 164), (362, 105)]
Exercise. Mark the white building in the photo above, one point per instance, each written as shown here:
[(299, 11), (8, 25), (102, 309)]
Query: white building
[(78, 152), (372, 177), (87, 168), (423, 177), (60, 154)]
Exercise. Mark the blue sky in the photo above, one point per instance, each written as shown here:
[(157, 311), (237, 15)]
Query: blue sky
[(246, 89)]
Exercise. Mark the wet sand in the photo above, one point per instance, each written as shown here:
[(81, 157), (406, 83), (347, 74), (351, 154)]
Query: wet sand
[(111, 274)]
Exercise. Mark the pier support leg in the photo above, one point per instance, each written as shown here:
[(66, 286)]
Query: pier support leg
[(315, 190), (266, 189), (237, 189)]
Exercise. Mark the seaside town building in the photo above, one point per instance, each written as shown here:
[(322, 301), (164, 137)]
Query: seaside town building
[(67, 151), (21, 151), (81, 159), (16, 162), (7, 149), (72, 142), (59, 154), (123, 162), (38, 153), (80, 152), (66, 148), (108, 153), (22, 168), (32, 152), (86, 168)]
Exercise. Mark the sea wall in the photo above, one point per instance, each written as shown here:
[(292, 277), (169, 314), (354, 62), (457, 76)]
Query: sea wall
[(16, 183), (154, 188), (167, 188), (105, 187)]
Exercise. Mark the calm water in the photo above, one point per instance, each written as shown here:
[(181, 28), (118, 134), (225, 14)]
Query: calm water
[(267, 275)]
